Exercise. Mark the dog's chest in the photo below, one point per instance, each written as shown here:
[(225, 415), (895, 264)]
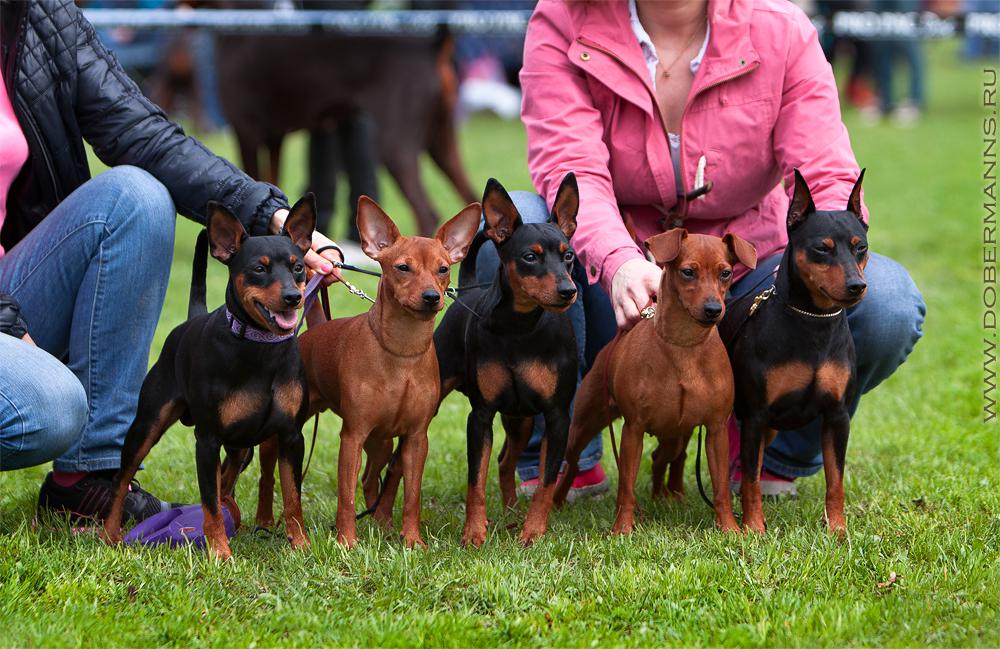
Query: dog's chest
[(805, 387), (516, 386)]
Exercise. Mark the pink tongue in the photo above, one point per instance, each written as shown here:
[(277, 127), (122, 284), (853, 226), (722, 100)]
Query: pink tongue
[(286, 319)]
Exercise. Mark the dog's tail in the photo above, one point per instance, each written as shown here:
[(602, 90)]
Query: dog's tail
[(467, 271), (199, 267)]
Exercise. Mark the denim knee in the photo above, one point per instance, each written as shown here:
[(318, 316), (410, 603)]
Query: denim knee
[(49, 407), (888, 323), (144, 206)]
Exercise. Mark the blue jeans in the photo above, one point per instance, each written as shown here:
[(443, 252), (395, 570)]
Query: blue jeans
[(593, 325), (885, 327), (90, 280)]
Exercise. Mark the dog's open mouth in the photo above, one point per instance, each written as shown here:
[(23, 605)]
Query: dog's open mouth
[(282, 321)]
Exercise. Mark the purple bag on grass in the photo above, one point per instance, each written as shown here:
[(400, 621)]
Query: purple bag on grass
[(179, 526)]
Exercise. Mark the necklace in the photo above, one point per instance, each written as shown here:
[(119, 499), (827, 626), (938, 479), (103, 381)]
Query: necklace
[(666, 70)]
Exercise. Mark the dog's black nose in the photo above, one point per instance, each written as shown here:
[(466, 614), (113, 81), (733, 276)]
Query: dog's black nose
[(567, 293), (856, 288), (291, 298), (713, 310), (431, 297)]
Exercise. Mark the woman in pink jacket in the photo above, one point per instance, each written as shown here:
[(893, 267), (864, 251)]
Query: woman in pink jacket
[(648, 101)]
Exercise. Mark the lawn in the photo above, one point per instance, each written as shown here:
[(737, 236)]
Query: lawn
[(922, 491)]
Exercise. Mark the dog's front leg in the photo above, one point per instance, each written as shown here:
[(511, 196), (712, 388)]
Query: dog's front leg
[(752, 431), (717, 449), (413, 455), (291, 448), (630, 455), (209, 484), (836, 430), (479, 437), (553, 451), (351, 443), (268, 453)]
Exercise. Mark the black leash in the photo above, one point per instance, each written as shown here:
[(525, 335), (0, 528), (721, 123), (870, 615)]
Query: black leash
[(697, 472)]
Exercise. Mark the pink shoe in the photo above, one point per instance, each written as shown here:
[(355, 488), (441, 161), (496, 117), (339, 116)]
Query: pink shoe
[(591, 482), (771, 484)]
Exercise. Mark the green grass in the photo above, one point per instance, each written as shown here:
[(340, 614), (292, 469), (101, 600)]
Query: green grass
[(922, 490)]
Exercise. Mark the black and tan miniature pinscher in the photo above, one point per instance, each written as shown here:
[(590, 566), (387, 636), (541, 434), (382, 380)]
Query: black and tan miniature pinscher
[(667, 375), (791, 349), (234, 373), (510, 348)]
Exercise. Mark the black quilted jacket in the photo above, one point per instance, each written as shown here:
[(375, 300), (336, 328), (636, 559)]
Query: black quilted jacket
[(66, 88)]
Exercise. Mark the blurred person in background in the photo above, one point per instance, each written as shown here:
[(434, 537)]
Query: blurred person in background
[(84, 262), (887, 53)]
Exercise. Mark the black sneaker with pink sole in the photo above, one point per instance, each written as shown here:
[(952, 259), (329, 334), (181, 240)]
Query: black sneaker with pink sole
[(89, 500)]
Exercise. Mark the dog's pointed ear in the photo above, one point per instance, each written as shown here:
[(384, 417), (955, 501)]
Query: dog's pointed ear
[(301, 222), (802, 203), (854, 202), (456, 235), (566, 206), (377, 230), (501, 217), (741, 250), (667, 245), (225, 232)]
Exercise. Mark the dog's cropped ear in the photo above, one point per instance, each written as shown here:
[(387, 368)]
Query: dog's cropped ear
[(301, 222), (456, 235), (377, 230), (741, 250), (225, 232), (501, 217), (802, 203), (854, 202), (566, 206), (667, 245)]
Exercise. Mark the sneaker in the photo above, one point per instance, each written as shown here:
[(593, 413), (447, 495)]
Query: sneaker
[(772, 485), (592, 482), (89, 500), (907, 115)]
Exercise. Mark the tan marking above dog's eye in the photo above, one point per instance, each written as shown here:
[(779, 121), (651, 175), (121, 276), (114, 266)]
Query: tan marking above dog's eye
[(537, 249), (293, 259), (829, 243), (265, 260)]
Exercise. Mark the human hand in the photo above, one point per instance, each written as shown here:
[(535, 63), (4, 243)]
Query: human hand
[(633, 287), (323, 263)]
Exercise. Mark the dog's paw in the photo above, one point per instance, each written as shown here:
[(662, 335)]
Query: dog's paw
[(474, 538), (414, 542)]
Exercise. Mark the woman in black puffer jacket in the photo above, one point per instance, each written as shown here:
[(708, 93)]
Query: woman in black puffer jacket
[(84, 262)]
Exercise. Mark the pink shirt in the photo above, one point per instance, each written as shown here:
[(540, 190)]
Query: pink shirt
[(763, 103), (13, 150)]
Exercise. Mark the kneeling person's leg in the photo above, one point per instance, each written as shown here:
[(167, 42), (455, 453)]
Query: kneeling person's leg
[(43, 406)]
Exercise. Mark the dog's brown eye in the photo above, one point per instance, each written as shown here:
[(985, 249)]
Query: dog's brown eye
[(862, 250), (726, 274), (298, 268), (403, 268), (259, 269), (530, 257), (569, 256), (687, 273), (443, 270), (822, 250)]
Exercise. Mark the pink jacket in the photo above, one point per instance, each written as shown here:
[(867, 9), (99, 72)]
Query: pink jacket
[(762, 103)]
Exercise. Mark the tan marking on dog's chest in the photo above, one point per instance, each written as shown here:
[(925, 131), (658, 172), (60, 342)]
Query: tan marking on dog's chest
[(832, 378), (541, 378), (288, 398), (239, 405), (493, 378), (829, 378)]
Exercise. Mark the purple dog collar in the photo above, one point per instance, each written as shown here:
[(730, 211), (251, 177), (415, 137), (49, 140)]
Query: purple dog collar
[(241, 329)]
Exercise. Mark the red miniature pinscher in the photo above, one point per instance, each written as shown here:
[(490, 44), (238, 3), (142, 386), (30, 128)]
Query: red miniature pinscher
[(379, 370), (667, 375)]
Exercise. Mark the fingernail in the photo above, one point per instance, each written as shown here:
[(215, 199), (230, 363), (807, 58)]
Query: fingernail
[(327, 268)]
